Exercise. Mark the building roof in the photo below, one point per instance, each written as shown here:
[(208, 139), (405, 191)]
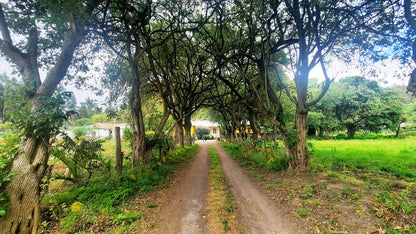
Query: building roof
[(204, 123), (108, 125)]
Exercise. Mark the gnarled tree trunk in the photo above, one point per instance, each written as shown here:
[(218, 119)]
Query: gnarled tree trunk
[(300, 152), (28, 169), (178, 135), (139, 135)]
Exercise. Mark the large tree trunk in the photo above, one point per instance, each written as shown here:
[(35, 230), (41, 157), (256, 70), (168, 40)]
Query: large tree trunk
[(300, 152), (178, 135), (29, 166), (139, 136), (188, 127)]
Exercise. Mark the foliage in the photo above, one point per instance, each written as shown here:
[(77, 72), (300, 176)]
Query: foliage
[(88, 108), (41, 121), (4, 178), (81, 158), (82, 131), (9, 87), (127, 134), (275, 159), (8, 149), (354, 104), (99, 118), (83, 122)]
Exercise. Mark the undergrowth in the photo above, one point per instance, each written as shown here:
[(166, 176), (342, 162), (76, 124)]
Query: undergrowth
[(254, 154), (81, 207)]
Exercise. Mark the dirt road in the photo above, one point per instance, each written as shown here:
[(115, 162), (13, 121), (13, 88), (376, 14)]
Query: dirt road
[(257, 209), (182, 204)]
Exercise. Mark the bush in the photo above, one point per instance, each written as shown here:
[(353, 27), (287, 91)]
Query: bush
[(82, 131), (99, 118), (127, 134), (341, 136), (83, 122), (4, 177), (81, 158), (8, 149), (278, 163), (276, 160)]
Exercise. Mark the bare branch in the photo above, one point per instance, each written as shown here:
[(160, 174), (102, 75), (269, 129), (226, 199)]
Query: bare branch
[(324, 89)]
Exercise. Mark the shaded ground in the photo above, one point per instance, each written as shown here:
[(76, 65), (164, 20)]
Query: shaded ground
[(181, 205)]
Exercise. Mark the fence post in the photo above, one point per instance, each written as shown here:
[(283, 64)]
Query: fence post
[(119, 154)]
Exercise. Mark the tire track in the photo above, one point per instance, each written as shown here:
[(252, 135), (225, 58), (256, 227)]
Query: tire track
[(257, 210)]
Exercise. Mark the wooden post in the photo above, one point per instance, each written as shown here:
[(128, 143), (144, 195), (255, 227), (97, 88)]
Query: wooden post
[(119, 154)]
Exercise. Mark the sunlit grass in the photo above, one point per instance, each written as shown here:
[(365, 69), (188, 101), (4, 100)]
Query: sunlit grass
[(396, 156)]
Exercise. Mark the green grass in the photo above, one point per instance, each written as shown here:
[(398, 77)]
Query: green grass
[(274, 160), (395, 156), (221, 202)]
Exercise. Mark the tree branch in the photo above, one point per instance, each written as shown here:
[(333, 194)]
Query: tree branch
[(324, 89)]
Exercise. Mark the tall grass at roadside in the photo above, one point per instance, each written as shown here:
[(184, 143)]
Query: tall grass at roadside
[(272, 158), (395, 156)]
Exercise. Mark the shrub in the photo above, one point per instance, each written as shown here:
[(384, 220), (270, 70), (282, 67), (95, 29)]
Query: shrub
[(127, 134), (83, 122), (341, 136), (278, 163), (8, 149), (82, 131), (99, 118), (4, 177), (81, 158)]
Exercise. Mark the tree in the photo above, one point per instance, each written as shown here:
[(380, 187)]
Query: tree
[(57, 30), (360, 104), (187, 77), (88, 109), (410, 18), (322, 118), (9, 88)]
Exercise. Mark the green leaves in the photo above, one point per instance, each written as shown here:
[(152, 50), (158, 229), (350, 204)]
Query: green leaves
[(41, 116), (81, 158)]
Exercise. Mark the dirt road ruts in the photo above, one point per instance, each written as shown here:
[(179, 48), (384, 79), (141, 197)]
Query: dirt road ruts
[(258, 211)]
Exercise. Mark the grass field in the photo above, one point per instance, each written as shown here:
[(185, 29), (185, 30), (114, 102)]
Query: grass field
[(395, 156), (351, 186)]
